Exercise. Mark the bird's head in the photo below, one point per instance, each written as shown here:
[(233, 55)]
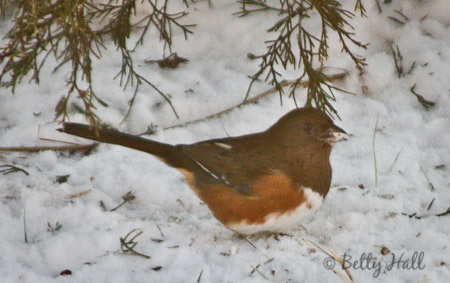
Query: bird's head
[(310, 124)]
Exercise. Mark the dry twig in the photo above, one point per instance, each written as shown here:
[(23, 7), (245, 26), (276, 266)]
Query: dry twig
[(254, 99), (336, 258), (125, 198), (75, 147), (8, 169), (256, 269), (414, 215), (159, 228), (430, 185), (374, 154)]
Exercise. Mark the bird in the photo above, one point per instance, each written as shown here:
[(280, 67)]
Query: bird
[(270, 181)]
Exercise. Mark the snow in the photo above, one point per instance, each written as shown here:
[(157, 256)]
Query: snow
[(356, 217)]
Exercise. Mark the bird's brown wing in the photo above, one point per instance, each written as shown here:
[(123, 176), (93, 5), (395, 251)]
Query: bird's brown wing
[(236, 162)]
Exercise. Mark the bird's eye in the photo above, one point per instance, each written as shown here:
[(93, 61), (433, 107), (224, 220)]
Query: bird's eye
[(308, 127)]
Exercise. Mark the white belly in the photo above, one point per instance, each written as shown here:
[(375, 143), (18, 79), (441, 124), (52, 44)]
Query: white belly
[(276, 222)]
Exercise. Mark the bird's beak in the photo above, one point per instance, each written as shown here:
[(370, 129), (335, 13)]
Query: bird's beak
[(333, 135), (336, 129)]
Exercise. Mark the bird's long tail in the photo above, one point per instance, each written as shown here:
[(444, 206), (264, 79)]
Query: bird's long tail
[(168, 153)]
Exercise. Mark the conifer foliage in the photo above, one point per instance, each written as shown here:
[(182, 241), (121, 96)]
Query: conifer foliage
[(74, 33)]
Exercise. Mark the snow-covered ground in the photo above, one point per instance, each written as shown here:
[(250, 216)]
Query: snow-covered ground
[(180, 235)]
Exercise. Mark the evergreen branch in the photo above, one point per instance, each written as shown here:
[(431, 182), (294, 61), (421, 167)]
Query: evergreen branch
[(293, 34), (65, 29)]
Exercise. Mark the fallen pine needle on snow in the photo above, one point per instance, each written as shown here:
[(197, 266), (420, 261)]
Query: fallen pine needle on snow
[(8, 169), (259, 272), (337, 258), (373, 149), (128, 245), (80, 194), (414, 215), (395, 160)]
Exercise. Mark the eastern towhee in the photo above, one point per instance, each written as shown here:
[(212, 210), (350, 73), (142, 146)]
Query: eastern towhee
[(268, 181)]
